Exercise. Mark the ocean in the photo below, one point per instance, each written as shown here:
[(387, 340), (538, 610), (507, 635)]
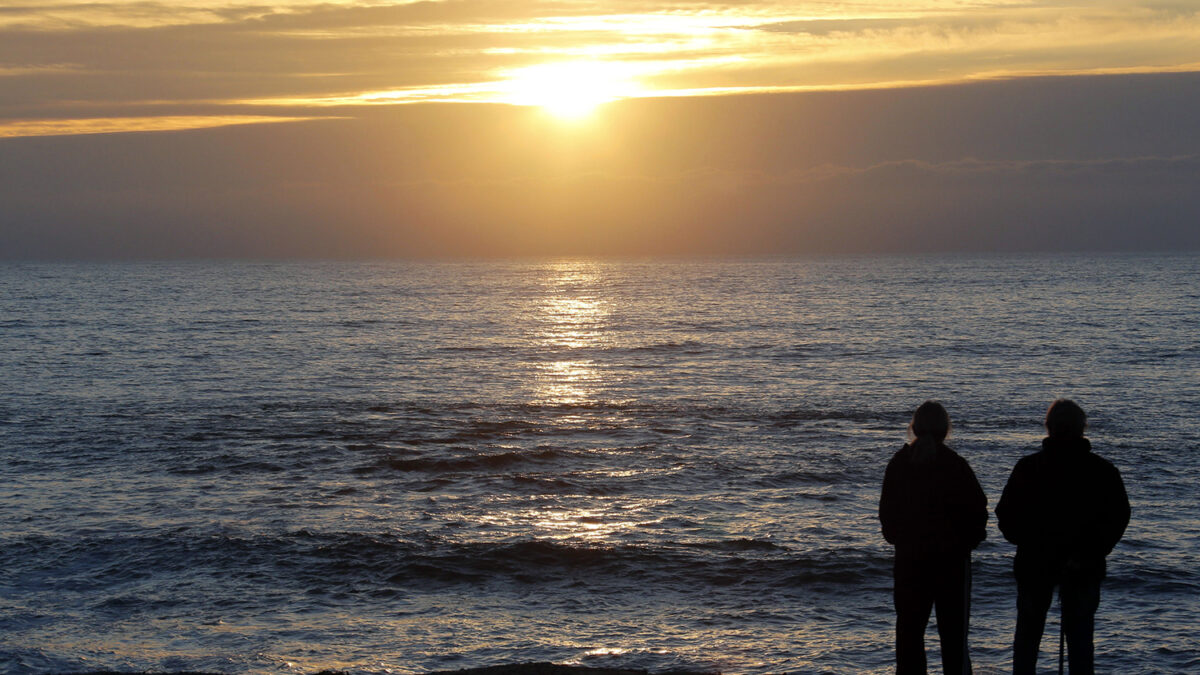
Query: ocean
[(402, 467)]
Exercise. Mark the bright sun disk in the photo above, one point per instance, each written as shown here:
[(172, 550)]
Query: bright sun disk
[(569, 90)]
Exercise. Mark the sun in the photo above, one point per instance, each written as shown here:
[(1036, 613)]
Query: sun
[(570, 89)]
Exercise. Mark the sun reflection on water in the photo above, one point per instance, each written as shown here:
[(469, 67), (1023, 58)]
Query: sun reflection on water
[(566, 382), (571, 319), (573, 519), (570, 327)]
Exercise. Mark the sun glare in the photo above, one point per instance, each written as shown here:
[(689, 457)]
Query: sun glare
[(569, 90)]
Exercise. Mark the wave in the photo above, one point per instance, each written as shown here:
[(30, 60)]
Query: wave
[(803, 478), (680, 566), (795, 416), (226, 464), (742, 544), (671, 346), (473, 462), (344, 562), (456, 421)]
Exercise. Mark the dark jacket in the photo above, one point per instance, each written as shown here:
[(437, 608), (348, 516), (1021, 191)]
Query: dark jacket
[(934, 508), (1064, 504)]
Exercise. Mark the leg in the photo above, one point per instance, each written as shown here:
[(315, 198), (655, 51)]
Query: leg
[(1033, 600), (953, 616), (1080, 598), (913, 604)]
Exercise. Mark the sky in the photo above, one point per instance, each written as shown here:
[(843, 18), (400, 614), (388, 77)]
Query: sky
[(484, 128)]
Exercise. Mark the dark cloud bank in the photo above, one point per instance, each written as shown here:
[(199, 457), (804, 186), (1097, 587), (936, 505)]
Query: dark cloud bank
[(1082, 163)]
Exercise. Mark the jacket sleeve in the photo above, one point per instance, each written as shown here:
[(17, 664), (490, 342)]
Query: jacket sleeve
[(1116, 510), (975, 511), (1012, 513), (889, 503)]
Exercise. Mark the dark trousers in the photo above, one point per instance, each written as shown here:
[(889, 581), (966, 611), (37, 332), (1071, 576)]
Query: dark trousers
[(1078, 595), (922, 585)]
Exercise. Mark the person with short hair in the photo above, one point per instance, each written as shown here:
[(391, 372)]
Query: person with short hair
[(1065, 508), (934, 512)]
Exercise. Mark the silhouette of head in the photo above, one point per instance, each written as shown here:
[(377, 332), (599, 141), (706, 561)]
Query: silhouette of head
[(930, 421), (1065, 419)]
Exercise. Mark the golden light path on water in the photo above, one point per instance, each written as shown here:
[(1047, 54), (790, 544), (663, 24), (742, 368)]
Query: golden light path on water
[(571, 317), (564, 323)]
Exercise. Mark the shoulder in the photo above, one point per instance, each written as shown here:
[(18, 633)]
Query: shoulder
[(1027, 462), (901, 455), (1102, 467), (1025, 469), (951, 456), (1101, 462), (953, 459)]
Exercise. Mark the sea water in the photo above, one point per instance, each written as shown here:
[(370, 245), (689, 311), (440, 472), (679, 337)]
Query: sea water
[(674, 465)]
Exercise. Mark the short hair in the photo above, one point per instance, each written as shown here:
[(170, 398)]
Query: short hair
[(930, 419), (1065, 418)]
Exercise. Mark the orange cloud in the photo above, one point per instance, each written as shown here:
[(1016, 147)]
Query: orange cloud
[(224, 61)]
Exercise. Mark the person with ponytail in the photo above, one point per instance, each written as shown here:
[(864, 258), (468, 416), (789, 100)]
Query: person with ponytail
[(934, 512)]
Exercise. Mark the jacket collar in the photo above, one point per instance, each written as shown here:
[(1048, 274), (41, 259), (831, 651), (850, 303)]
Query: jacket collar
[(1058, 444)]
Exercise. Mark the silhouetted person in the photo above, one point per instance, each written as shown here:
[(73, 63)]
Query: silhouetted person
[(934, 512), (1065, 508)]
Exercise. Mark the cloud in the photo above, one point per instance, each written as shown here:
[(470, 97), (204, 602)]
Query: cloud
[(1173, 169), (101, 125), (1048, 163), (70, 60)]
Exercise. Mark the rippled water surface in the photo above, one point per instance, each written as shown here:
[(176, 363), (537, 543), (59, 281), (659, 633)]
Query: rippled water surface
[(404, 467)]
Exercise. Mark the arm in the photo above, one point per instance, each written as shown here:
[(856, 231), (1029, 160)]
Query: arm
[(976, 510), (1011, 511), (965, 508), (1116, 510), (889, 505)]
